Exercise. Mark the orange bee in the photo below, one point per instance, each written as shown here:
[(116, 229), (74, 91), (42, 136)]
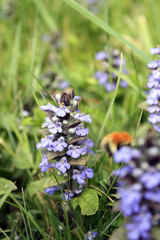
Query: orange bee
[(114, 141)]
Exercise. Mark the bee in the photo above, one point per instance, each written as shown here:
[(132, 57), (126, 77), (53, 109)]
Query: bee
[(114, 141)]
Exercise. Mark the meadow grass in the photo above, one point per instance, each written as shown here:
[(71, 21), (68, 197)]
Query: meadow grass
[(26, 213)]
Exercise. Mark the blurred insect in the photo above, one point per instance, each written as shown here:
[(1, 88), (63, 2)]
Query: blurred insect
[(114, 141)]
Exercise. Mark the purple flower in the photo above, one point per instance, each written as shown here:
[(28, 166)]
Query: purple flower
[(154, 118), (62, 111), (122, 172), (82, 117), (88, 172), (153, 196), (45, 165), (59, 145), (153, 97), (156, 74), (130, 199), (125, 154), (152, 65), (154, 108), (155, 50), (79, 176), (150, 179), (55, 128), (90, 235), (117, 61), (157, 128), (46, 142), (101, 56), (48, 107), (110, 87), (152, 83), (68, 195), (81, 131), (63, 165), (102, 77), (51, 190), (123, 84), (74, 151)]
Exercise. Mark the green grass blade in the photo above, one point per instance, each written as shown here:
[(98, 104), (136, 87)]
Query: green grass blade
[(45, 14), (29, 226), (29, 216), (97, 21), (14, 60), (4, 234)]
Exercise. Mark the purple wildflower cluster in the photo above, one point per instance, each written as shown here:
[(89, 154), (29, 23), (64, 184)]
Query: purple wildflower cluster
[(103, 76), (65, 142), (140, 190), (90, 235), (153, 98)]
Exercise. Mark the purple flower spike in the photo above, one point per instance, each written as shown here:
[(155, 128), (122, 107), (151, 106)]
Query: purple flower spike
[(103, 76), (59, 145), (79, 176), (63, 129), (63, 165)]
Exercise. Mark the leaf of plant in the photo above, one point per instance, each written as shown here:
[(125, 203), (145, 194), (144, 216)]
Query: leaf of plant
[(6, 185), (52, 155), (76, 139), (35, 187), (88, 202), (23, 158), (80, 161), (51, 181)]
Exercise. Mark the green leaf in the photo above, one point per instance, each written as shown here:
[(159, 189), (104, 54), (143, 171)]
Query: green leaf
[(88, 202), (35, 187), (23, 158), (6, 185), (51, 181)]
